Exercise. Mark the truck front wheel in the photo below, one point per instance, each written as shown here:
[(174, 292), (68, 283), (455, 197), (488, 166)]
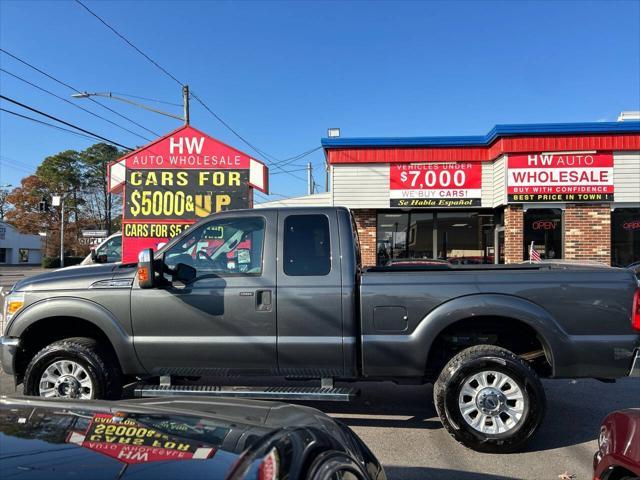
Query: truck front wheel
[(489, 399), (73, 368)]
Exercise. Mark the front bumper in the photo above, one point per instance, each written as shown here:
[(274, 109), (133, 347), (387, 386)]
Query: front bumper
[(8, 348), (635, 364)]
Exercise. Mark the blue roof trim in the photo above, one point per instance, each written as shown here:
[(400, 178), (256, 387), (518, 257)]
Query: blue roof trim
[(497, 131)]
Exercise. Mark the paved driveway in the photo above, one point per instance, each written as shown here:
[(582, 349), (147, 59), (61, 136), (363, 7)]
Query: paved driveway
[(400, 426), (10, 274)]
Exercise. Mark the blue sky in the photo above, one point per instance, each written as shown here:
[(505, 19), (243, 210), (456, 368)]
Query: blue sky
[(280, 73)]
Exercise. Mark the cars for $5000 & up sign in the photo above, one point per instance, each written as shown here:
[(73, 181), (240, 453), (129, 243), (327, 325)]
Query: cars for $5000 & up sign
[(177, 180)]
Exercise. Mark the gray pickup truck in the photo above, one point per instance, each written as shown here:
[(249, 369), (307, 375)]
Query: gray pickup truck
[(280, 293)]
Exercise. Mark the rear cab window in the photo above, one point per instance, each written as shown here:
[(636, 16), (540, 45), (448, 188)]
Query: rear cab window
[(306, 245)]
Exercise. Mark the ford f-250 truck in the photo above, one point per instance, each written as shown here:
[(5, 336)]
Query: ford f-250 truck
[(280, 293)]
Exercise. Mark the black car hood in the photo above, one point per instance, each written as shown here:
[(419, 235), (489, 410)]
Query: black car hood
[(177, 438), (77, 277)]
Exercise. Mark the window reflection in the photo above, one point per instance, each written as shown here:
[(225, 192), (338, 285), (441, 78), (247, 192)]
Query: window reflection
[(391, 236), (625, 236)]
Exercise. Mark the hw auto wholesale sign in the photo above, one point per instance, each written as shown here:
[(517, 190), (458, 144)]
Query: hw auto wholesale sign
[(177, 180), (453, 184), (560, 177)]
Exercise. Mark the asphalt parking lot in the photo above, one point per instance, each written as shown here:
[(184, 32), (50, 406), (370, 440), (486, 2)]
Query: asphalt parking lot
[(400, 426)]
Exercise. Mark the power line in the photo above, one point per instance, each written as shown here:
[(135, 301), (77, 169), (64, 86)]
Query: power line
[(72, 103), (75, 90), (46, 123), (63, 122), (289, 171), (14, 164), (129, 43), (148, 99), (231, 129), (195, 97), (298, 157)]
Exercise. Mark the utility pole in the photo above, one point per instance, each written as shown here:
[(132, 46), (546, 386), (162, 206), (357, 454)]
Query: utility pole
[(185, 100), (309, 179), (326, 178)]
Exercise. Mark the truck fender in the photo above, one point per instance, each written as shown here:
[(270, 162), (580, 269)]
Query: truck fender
[(553, 337), (80, 308), (407, 355)]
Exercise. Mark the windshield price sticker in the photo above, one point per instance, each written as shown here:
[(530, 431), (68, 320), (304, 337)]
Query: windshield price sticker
[(560, 177), (452, 184)]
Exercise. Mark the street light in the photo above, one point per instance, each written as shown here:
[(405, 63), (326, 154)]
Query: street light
[(185, 99)]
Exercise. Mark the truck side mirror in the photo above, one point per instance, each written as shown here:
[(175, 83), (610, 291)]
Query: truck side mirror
[(94, 255), (146, 270), (184, 274)]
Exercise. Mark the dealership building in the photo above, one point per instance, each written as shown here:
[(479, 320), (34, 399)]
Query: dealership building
[(569, 191)]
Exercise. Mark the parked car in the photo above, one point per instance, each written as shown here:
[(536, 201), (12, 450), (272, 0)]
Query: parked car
[(618, 455), (280, 293), (185, 438), (635, 268), (109, 251)]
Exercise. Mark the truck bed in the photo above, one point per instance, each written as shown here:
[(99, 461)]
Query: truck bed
[(580, 312)]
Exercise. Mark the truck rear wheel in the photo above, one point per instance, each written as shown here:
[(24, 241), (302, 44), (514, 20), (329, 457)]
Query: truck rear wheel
[(73, 368), (489, 399)]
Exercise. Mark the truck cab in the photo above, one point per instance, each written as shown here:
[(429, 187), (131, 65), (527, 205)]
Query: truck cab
[(279, 284)]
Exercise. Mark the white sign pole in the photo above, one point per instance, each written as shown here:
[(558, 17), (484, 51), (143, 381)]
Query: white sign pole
[(62, 234)]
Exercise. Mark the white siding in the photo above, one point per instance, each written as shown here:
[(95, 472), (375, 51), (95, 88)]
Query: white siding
[(626, 176), (500, 181), (360, 186), (487, 184)]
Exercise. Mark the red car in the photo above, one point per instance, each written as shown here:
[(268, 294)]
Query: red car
[(618, 455)]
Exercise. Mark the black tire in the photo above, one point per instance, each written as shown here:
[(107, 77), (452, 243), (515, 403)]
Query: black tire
[(446, 393), (101, 367)]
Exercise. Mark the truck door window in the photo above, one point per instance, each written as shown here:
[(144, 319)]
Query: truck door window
[(307, 248), (222, 247)]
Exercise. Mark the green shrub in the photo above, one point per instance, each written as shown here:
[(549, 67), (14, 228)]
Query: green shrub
[(54, 262)]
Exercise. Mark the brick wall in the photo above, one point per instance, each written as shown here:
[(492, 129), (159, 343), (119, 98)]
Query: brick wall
[(587, 232), (513, 233), (366, 226)]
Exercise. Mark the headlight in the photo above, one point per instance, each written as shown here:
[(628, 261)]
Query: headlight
[(603, 440), (12, 303)]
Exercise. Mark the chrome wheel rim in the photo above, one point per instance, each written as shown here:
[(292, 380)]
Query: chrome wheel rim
[(491, 402), (66, 379)]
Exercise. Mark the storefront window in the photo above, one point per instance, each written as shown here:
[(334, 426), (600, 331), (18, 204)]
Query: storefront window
[(23, 255), (543, 227), (625, 236), (461, 237), (465, 238)]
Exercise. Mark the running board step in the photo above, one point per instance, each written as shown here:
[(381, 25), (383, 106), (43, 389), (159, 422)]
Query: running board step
[(335, 394)]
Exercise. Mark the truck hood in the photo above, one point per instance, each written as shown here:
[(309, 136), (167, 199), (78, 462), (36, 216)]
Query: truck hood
[(70, 278)]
